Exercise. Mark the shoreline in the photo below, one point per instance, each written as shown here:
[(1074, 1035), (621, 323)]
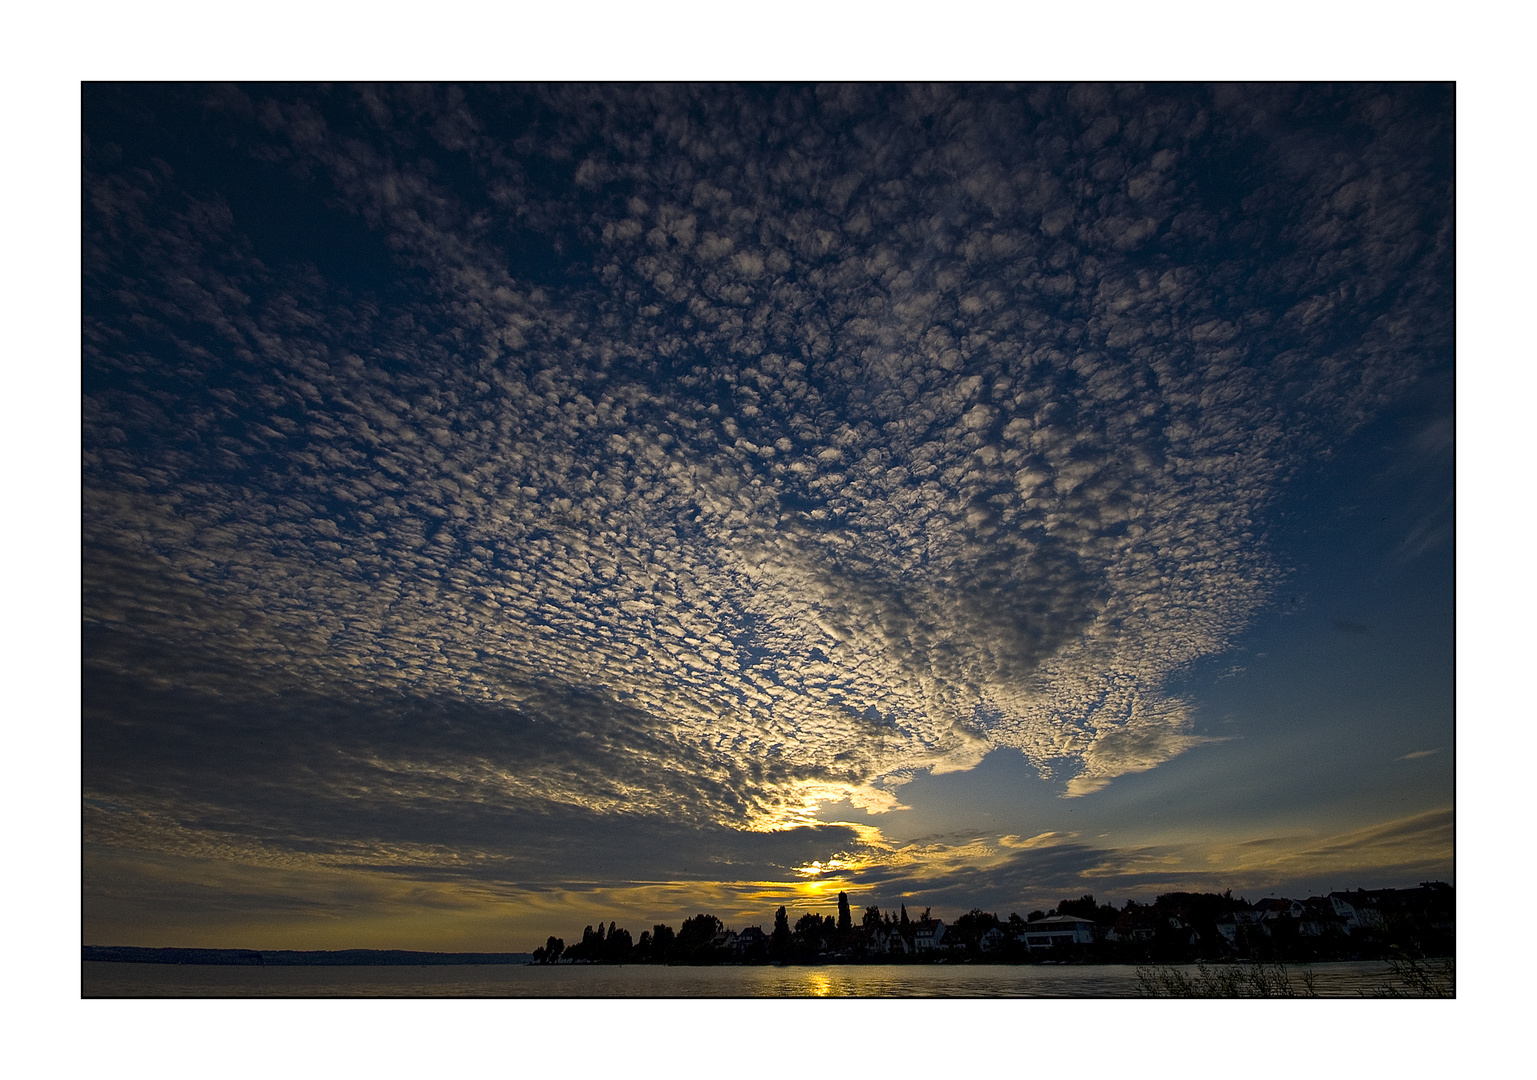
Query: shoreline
[(131, 954), (124, 954)]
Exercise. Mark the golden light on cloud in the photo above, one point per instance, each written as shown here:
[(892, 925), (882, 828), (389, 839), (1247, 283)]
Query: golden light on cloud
[(1045, 839), (801, 809)]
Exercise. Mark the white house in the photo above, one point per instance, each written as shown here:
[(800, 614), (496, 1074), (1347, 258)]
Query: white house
[(1272, 908), (929, 936), (1356, 918), (1058, 930), (1228, 925)]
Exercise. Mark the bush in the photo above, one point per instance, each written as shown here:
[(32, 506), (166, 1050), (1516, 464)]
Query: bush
[(1227, 981), (1410, 976)]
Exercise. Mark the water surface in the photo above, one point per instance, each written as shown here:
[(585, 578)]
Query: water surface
[(1344, 979)]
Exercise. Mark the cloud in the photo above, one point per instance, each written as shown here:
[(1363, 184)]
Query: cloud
[(956, 873), (696, 454)]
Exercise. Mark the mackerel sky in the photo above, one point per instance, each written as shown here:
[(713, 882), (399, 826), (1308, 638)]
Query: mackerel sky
[(509, 506)]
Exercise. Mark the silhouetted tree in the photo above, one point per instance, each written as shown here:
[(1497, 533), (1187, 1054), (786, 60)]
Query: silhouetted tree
[(1103, 915), (970, 927), (808, 932), (663, 943), (779, 942), (694, 937), (553, 947), (1082, 908), (698, 928), (872, 919), (616, 945), (845, 918), (588, 948)]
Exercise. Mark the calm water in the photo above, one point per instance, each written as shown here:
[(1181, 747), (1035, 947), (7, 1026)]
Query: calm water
[(192, 980)]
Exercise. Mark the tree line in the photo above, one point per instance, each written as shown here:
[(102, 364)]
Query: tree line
[(1177, 927)]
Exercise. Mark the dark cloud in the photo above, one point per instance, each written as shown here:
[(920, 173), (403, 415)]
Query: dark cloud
[(564, 783)]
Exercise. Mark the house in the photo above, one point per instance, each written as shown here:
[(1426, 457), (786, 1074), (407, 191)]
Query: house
[(1136, 924), (1319, 918), (749, 939), (1272, 908), (884, 941), (993, 940), (1362, 918), (1229, 925), (1057, 930), (930, 935), (1430, 907)]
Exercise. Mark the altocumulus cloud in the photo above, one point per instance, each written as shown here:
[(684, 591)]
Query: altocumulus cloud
[(465, 464)]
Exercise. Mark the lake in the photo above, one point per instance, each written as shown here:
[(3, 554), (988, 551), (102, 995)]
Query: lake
[(108, 980)]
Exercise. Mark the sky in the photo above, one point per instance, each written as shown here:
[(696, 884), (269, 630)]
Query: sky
[(505, 507)]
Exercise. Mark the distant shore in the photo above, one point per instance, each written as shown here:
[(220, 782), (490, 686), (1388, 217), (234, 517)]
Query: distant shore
[(127, 954)]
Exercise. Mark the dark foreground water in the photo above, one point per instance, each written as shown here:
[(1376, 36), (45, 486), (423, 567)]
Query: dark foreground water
[(98, 979)]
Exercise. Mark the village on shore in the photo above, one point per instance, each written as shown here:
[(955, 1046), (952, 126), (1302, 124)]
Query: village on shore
[(1179, 927)]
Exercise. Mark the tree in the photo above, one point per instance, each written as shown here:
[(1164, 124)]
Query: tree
[(809, 923), (552, 949), (808, 932), (616, 950), (694, 936), (663, 941), (845, 919), (872, 919), (1083, 908), (970, 928), (780, 941), (589, 948)]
